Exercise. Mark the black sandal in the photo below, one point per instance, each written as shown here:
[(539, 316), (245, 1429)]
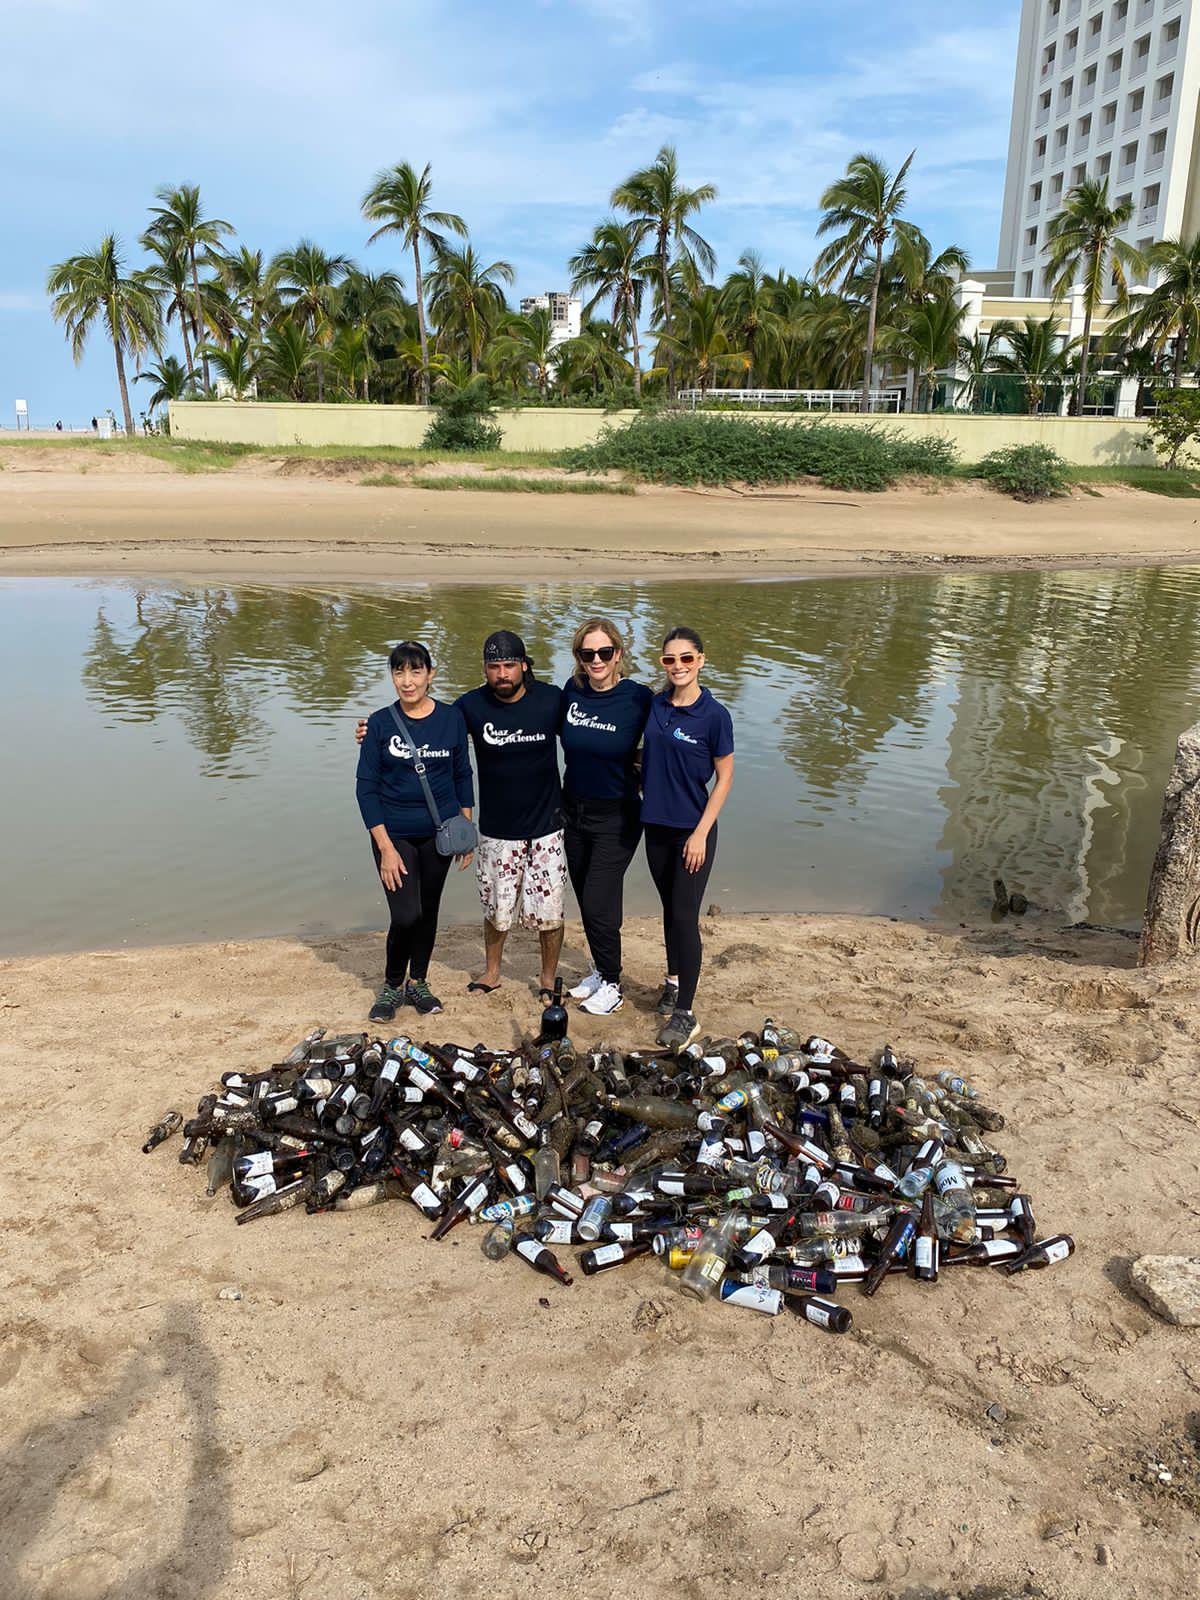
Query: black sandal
[(482, 988), (545, 996)]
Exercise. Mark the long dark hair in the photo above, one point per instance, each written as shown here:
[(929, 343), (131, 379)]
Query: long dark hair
[(691, 637)]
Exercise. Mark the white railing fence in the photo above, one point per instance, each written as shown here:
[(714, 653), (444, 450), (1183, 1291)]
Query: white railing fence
[(810, 399)]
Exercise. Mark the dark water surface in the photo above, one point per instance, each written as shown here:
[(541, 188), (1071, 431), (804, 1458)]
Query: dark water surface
[(179, 760)]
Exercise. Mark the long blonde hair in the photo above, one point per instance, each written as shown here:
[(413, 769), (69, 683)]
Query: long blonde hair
[(596, 625)]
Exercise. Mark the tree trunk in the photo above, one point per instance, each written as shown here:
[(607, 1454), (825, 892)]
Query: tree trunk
[(187, 349), (197, 313), (1179, 356), (121, 384), (1172, 922), (637, 354), (665, 278), (869, 363), (419, 287)]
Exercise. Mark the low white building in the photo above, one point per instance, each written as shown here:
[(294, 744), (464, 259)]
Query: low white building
[(566, 313)]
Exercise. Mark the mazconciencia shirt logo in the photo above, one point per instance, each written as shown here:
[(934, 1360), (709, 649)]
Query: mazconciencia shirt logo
[(400, 750), (578, 718), (503, 736)]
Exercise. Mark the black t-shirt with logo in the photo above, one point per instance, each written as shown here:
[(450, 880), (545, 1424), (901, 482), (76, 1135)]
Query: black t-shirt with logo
[(600, 735), (516, 759)]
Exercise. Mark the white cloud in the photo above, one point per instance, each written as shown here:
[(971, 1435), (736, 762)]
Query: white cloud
[(18, 300)]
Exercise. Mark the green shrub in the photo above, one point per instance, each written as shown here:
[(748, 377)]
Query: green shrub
[(1026, 471), (712, 448), (1176, 422), (464, 419)]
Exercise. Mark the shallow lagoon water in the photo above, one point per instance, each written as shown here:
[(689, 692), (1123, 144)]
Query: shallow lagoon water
[(180, 761)]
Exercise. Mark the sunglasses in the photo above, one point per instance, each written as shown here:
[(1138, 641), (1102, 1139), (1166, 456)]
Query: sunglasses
[(683, 660), (605, 653)]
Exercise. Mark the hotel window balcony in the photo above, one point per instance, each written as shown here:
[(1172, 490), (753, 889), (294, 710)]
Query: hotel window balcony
[(1168, 46), (1065, 90), (1148, 211), (1083, 132), (1052, 11), (1070, 47), (1093, 35), (1043, 110), (1035, 198), (1038, 159), (1108, 121), (1048, 55), (1145, 9), (1157, 153), (1163, 91), (1120, 14), (1133, 108), (1073, 9), (1103, 165), (1087, 86), (1112, 70), (1141, 56)]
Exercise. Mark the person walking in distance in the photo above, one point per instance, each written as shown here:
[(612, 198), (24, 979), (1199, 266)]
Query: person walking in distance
[(688, 739), (603, 716), (397, 815)]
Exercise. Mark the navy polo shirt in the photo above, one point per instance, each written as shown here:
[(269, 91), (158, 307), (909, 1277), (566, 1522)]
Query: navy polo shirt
[(680, 747), (600, 733)]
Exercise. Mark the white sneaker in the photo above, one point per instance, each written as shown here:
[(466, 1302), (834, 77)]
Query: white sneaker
[(607, 999), (586, 987)]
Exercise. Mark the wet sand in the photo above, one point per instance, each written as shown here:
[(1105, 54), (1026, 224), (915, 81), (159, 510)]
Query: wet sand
[(306, 520), (379, 1417)]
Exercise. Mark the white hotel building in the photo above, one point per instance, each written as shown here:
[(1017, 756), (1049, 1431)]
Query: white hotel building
[(1104, 89)]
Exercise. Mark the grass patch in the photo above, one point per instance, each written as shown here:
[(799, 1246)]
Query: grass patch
[(506, 483), (700, 448), (195, 455), (1177, 483)]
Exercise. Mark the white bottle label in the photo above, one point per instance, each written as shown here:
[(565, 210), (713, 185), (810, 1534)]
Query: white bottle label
[(1058, 1251), (531, 1249), (558, 1233), (604, 1253), (817, 1314), (760, 1243), (923, 1255), (423, 1195), (621, 1230)]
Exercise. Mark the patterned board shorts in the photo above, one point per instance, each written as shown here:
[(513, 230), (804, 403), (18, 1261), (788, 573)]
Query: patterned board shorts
[(527, 873)]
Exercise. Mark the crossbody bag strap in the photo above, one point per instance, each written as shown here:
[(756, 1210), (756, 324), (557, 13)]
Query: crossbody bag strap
[(418, 766)]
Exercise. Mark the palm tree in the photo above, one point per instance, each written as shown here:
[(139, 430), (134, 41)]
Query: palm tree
[(915, 274), (976, 357), (702, 338), (94, 285), (169, 275), (613, 265), (928, 340), (466, 298), (523, 348), (1035, 353), (350, 358), (172, 380), (655, 198), (747, 300), (1082, 242), (373, 304), (248, 281), (180, 221), (238, 362), (399, 201), (863, 207), (306, 279), (1173, 304), (288, 352), (595, 358)]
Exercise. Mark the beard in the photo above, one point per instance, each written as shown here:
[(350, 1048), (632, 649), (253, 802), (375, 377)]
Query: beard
[(505, 691)]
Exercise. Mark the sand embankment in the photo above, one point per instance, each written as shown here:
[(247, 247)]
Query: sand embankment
[(379, 1416), (315, 521)]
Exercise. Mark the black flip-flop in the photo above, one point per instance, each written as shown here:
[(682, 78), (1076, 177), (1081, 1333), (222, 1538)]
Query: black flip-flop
[(482, 988), (545, 996)]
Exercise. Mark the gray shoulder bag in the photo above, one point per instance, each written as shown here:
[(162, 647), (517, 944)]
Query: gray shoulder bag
[(456, 836)]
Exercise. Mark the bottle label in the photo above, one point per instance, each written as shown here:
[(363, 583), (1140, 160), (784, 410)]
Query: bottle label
[(713, 1269), (411, 1139), (817, 1314), (760, 1243), (603, 1254), (1058, 1251), (424, 1196), (531, 1249), (475, 1196), (621, 1230), (423, 1080), (556, 1232), (754, 1296), (594, 1129), (923, 1255)]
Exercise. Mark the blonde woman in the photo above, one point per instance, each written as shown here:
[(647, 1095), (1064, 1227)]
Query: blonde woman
[(603, 718)]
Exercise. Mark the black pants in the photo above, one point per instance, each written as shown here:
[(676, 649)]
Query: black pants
[(600, 839), (681, 893), (414, 908)]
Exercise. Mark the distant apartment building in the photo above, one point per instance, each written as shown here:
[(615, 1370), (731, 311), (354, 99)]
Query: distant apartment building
[(1104, 89), (566, 314)]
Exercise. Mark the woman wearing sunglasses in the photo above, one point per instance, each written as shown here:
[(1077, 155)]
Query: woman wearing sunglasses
[(603, 716), (688, 739)]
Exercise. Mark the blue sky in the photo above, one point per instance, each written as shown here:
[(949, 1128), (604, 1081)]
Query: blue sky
[(529, 113)]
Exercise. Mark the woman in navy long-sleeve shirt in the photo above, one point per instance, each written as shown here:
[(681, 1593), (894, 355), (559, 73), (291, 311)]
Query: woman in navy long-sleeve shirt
[(396, 815)]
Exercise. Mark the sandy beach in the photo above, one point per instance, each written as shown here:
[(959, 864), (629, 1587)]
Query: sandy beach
[(382, 1417), (287, 519)]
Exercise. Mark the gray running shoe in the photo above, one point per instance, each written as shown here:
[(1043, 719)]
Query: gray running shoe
[(668, 999), (386, 1004), (678, 1031)]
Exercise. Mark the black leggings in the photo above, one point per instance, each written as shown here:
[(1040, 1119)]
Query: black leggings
[(414, 908), (600, 841), (681, 893)]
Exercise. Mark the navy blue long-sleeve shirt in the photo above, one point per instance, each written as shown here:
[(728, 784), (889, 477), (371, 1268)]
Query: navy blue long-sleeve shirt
[(600, 734), (387, 787)]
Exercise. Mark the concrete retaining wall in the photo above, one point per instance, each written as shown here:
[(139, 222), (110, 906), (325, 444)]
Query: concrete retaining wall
[(1083, 441)]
